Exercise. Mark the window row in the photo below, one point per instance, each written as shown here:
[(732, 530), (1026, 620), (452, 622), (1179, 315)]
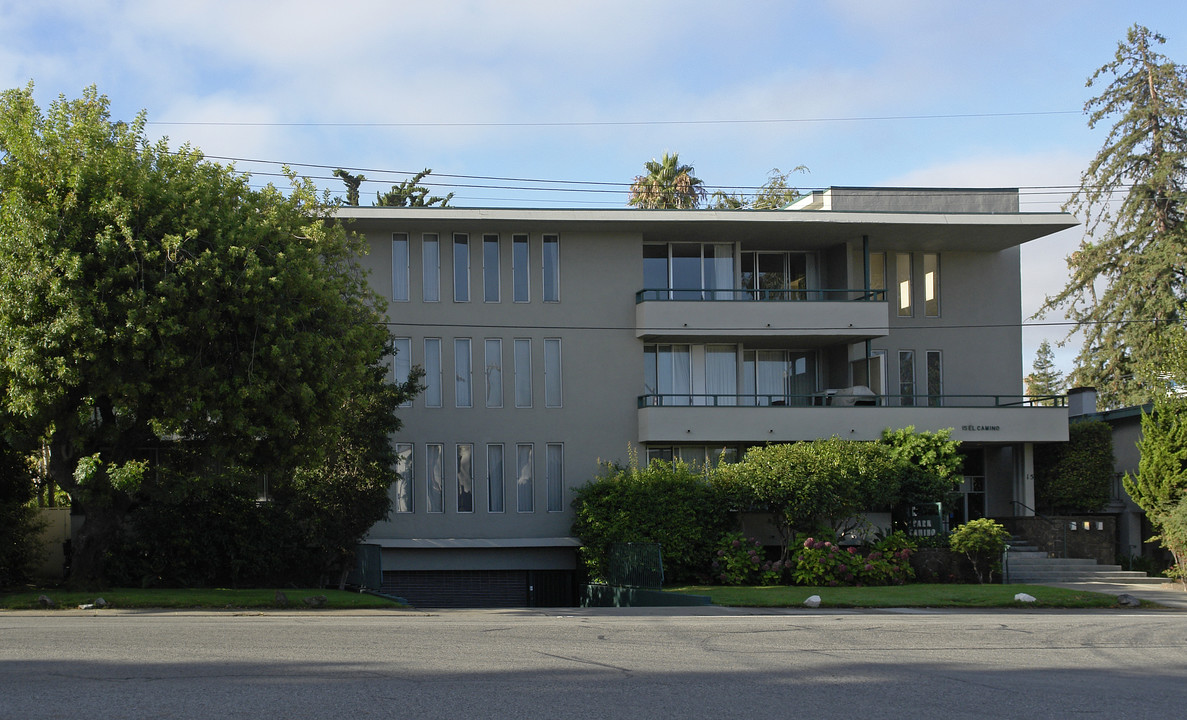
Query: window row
[(438, 479), (933, 373), (678, 374), (461, 262), (490, 366), (904, 277), (713, 271)]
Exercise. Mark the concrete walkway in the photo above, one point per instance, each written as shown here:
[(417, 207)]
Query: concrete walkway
[(1169, 594)]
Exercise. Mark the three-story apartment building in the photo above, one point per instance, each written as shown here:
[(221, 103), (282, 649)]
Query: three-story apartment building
[(552, 340)]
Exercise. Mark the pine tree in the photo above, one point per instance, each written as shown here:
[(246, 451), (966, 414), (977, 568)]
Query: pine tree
[(1128, 275), (1045, 380), (1161, 481)]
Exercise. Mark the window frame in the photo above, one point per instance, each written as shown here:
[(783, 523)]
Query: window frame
[(461, 272), (430, 272), (490, 369), (525, 496), (523, 371), (521, 268), (463, 377), (400, 272), (550, 276), (438, 492), (496, 491), (491, 268), (434, 379), (554, 483), (553, 376), (464, 456), (404, 501)]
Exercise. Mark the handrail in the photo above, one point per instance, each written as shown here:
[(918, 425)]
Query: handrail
[(760, 295), (828, 398), (1049, 521)]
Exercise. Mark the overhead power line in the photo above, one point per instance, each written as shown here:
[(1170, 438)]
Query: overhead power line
[(608, 123)]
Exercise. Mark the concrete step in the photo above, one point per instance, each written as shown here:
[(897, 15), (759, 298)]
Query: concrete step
[(1115, 578)]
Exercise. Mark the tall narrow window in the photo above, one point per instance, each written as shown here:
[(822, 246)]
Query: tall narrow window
[(655, 272), (552, 372), (490, 268), (523, 479), (400, 267), (902, 274), (494, 478), (465, 477), (494, 372), (523, 373), (430, 260), (906, 377), (461, 267), (554, 473), (935, 379), (463, 376), (931, 285), (402, 363), (432, 372), (406, 476), (552, 268), (521, 268), (434, 477), (878, 273)]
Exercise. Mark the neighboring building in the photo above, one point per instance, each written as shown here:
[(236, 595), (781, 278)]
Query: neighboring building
[(556, 339), (1133, 529)]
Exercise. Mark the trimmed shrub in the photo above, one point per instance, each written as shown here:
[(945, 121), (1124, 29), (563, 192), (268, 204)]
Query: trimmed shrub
[(667, 503), (982, 541), (824, 563), (739, 560), (1075, 476)]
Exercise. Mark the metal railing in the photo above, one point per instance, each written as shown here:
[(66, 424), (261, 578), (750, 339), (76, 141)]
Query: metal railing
[(635, 565), (822, 399), (753, 295)]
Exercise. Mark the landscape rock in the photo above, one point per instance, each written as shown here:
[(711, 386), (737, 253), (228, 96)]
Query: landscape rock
[(46, 602), (813, 602), (1023, 597), (1127, 600), (281, 599), (100, 603), (315, 601)]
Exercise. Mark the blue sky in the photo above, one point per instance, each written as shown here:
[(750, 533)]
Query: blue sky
[(862, 92)]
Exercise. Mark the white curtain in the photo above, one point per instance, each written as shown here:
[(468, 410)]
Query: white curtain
[(523, 479), (721, 373), (436, 484)]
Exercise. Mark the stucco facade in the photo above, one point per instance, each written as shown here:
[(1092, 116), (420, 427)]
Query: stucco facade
[(557, 339)]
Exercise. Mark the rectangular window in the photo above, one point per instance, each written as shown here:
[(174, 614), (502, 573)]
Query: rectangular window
[(523, 479), (432, 372), (935, 379), (778, 377), (465, 478), (405, 500), (434, 477), (667, 374), (523, 373), (554, 472), (931, 285), (494, 372), (906, 377), (721, 374), (655, 272), (552, 372), (462, 373), (494, 478), (400, 267), (521, 268), (902, 274), (430, 258), (461, 267), (878, 273), (552, 268), (402, 363), (490, 268)]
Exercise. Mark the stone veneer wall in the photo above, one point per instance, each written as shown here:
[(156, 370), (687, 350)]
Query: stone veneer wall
[(1094, 536)]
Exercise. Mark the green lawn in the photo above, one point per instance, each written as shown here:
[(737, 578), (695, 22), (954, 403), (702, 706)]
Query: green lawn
[(204, 599), (916, 595)]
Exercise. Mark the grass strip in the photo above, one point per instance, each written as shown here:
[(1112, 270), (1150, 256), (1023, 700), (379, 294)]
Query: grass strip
[(904, 596), (196, 599)]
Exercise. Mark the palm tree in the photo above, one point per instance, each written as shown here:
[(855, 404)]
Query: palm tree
[(667, 184)]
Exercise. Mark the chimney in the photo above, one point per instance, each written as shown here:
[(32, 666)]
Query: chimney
[(1081, 401)]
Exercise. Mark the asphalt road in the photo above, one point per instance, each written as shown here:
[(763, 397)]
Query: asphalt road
[(594, 664)]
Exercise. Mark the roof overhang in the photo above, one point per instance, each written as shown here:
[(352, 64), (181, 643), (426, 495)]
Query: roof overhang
[(804, 228)]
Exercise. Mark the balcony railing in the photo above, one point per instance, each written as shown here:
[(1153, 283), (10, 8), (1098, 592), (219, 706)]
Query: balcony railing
[(751, 295), (825, 399)]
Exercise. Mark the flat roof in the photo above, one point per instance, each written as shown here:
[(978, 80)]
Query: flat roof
[(806, 228)]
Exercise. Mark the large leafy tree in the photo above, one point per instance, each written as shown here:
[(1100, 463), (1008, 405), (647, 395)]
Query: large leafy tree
[(153, 305), (776, 193), (668, 184), (1127, 277), (411, 193)]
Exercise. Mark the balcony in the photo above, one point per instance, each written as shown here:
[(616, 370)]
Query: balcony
[(814, 318), (707, 419)]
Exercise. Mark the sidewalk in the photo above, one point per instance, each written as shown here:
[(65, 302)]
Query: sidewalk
[(1169, 594)]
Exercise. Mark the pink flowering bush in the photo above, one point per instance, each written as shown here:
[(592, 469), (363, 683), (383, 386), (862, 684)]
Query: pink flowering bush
[(823, 563), (739, 560)]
